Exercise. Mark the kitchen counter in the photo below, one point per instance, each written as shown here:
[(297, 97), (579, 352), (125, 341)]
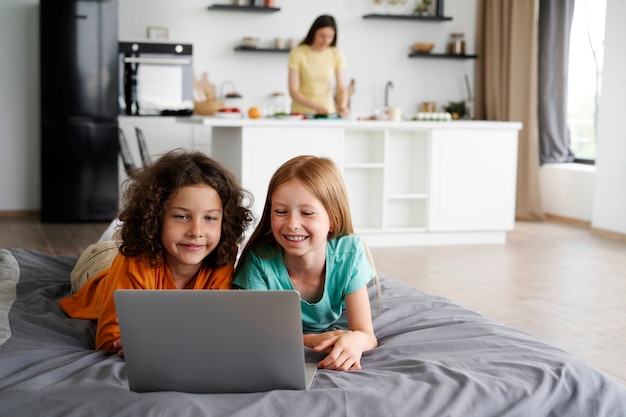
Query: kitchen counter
[(347, 123)]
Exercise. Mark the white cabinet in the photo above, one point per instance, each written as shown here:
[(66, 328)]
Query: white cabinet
[(408, 183), (386, 174), (473, 180), (432, 183), (363, 171)]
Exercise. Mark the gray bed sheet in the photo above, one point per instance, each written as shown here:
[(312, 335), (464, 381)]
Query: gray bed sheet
[(435, 358)]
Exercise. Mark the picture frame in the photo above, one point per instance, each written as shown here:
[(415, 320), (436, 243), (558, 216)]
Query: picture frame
[(157, 33)]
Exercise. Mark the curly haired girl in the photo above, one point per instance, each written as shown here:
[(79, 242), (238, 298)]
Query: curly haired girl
[(183, 217)]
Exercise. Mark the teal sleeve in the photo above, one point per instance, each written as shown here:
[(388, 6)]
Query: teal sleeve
[(362, 271), (250, 275)]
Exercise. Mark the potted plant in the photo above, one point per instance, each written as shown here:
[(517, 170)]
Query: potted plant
[(422, 8), (457, 109)]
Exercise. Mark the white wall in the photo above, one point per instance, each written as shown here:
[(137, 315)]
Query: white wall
[(567, 190), (609, 198), (19, 105)]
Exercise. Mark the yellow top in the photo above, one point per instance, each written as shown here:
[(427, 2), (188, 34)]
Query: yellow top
[(316, 71)]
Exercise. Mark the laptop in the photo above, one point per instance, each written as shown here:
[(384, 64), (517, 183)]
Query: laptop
[(213, 341)]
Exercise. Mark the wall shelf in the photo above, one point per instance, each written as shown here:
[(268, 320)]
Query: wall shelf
[(449, 56), (407, 17), (233, 8), (242, 48)]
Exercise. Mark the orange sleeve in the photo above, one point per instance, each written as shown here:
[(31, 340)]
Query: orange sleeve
[(94, 301), (126, 273), (81, 304)]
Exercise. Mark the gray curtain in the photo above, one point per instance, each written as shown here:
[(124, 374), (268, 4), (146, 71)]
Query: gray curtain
[(555, 22)]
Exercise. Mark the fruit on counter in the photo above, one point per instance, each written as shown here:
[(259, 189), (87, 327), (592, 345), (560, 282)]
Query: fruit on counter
[(229, 110), (280, 114), (254, 112), (295, 113)]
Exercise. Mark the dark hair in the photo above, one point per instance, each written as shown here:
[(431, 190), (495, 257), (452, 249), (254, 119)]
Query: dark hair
[(321, 177), (323, 21), (145, 198)]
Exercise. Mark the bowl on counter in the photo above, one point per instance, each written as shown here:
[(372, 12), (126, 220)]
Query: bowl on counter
[(422, 47)]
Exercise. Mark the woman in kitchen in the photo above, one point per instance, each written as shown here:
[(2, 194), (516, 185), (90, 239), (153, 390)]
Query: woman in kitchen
[(312, 66)]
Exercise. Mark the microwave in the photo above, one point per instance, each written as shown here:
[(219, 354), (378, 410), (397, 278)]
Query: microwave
[(155, 78)]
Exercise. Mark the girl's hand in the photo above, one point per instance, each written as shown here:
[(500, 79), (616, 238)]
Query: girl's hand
[(344, 347), (117, 345), (322, 341), (344, 113)]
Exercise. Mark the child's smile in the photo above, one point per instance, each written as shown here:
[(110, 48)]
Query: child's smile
[(300, 223), (191, 229)]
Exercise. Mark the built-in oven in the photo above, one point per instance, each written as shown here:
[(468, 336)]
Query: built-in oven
[(155, 78)]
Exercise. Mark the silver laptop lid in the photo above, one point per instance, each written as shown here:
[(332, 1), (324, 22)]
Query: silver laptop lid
[(211, 341)]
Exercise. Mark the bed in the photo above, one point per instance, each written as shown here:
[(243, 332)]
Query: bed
[(435, 358)]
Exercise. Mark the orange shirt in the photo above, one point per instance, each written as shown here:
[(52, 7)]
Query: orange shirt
[(94, 301)]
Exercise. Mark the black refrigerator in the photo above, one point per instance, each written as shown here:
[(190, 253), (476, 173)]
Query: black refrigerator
[(79, 107)]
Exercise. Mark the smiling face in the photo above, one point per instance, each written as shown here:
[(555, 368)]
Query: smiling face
[(323, 37), (300, 223), (192, 227)]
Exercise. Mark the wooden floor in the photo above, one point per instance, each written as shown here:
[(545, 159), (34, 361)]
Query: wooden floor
[(55, 239), (557, 281)]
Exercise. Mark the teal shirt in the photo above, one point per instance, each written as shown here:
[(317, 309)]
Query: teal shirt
[(347, 270)]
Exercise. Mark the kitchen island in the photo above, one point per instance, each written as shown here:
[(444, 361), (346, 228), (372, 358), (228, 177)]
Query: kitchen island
[(409, 183)]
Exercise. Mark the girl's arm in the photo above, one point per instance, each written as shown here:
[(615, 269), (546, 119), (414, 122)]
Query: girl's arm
[(341, 92), (347, 347), (296, 95)]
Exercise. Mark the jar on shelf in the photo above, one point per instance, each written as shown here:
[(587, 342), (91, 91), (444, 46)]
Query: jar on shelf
[(456, 46), (428, 107)]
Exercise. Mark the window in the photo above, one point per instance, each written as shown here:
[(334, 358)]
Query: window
[(585, 76)]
